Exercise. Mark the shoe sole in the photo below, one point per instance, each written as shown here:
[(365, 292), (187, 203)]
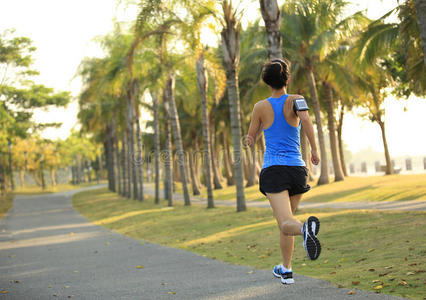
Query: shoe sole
[(287, 281), (312, 244), (313, 222)]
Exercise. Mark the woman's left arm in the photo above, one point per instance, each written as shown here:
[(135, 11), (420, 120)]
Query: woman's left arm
[(255, 128)]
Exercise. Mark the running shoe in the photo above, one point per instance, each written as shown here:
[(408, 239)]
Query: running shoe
[(286, 277), (311, 244)]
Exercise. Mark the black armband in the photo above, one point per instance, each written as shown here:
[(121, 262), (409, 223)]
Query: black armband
[(300, 104)]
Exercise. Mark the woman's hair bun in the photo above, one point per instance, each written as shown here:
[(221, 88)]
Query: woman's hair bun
[(275, 73)]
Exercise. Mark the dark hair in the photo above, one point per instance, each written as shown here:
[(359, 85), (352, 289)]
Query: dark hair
[(276, 73)]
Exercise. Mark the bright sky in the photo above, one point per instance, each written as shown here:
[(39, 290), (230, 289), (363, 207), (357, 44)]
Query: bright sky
[(63, 32)]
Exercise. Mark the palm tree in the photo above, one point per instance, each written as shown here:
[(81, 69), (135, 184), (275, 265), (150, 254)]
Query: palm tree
[(168, 188), (156, 147), (311, 30), (231, 55), (272, 17), (421, 20), (399, 45), (202, 81), (174, 117)]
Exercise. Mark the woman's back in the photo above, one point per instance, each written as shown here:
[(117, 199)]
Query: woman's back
[(282, 133)]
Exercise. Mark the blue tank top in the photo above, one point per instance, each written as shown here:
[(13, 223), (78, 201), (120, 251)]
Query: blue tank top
[(281, 139)]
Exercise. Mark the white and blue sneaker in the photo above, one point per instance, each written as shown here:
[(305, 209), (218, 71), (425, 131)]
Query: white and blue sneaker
[(286, 276), (311, 244)]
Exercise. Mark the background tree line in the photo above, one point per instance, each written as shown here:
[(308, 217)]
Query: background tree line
[(201, 97)]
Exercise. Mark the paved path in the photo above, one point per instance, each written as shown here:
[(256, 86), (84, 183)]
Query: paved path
[(414, 205), (49, 251)]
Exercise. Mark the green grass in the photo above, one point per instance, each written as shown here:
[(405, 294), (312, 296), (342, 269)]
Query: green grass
[(63, 187), (372, 188), (6, 203), (371, 250)]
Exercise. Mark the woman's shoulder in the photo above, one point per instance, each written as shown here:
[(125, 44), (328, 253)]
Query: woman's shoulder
[(295, 96), (260, 104)]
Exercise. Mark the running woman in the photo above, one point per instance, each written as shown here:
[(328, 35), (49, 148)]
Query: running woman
[(284, 175)]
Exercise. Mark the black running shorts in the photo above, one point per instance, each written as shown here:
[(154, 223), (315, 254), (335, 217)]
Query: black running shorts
[(275, 179)]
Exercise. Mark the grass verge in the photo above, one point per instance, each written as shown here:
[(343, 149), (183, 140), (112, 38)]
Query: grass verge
[(383, 252), (371, 188)]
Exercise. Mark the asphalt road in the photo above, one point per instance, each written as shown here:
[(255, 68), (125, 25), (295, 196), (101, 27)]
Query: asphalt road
[(49, 251)]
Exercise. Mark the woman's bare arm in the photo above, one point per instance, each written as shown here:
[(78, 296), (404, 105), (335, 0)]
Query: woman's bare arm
[(309, 130), (255, 128)]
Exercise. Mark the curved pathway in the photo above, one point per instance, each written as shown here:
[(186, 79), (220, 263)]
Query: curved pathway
[(49, 251)]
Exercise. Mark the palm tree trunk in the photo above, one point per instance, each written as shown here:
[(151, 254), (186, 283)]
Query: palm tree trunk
[(234, 103), (132, 90), (124, 164), (227, 162), (324, 176), (168, 184), (216, 176), (117, 165), (177, 137), (197, 164), (421, 20), (202, 81), (129, 164), (231, 57), (338, 173), (156, 148), (272, 17), (194, 183), (340, 141), (389, 168), (110, 160), (140, 161), (101, 166)]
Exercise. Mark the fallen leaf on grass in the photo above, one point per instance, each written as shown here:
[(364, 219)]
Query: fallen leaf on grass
[(389, 267), (351, 292), (376, 280), (402, 282), (371, 269), (410, 273), (383, 274), (413, 264), (379, 287), (332, 273), (139, 267), (361, 259), (371, 250), (355, 282)]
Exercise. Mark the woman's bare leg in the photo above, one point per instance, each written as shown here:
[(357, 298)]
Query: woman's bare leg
[(283, 207)]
